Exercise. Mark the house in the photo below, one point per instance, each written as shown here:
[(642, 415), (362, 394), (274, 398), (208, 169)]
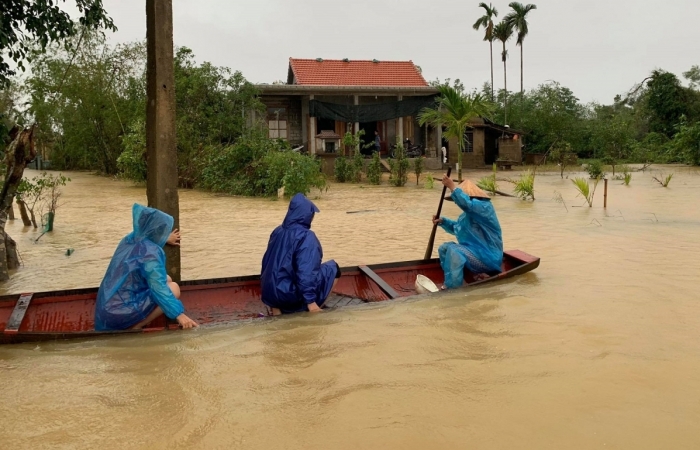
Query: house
[(324, 99), (485, 143)]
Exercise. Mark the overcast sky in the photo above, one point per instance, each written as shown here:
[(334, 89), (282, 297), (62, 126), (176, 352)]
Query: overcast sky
[(598, 48)]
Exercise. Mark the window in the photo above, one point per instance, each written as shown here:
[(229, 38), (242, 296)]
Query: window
[(277, 123), (468, 142)]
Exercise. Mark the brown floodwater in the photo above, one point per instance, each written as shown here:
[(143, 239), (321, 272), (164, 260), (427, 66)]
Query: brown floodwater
[(597, 348)]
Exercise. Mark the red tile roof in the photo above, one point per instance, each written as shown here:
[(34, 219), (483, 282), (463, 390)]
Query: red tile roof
[(333, 72)]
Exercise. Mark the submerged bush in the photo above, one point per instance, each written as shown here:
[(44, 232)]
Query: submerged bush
[(256, 166), (595, 169), (399, 167), (374, 170), (525, 186)]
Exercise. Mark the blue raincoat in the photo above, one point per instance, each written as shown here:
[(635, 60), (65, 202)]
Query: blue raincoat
[(478, 232), (292, 275), (136, 281)]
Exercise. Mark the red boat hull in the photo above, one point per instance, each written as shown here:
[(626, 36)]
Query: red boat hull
[(70, 314)]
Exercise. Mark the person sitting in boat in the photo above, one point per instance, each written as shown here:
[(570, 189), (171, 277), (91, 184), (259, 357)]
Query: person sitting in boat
[(293, 278), (136, 289), (480, 243)]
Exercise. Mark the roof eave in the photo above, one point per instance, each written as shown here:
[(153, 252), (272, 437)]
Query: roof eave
[(297, 89)]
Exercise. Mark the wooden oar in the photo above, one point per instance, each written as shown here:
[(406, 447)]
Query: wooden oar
[(431, 241)]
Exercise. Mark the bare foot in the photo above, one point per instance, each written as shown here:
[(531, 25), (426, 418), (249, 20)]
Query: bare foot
[(275, 312), (481, 276)]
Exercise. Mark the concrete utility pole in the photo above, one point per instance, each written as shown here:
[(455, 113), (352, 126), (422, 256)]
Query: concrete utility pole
[(161, 150)]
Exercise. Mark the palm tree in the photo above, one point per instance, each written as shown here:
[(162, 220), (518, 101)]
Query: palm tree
[(486, 22), (455, 111), (503, 32), (517, 19)]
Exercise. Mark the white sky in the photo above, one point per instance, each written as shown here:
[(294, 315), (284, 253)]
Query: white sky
[(597, 48)]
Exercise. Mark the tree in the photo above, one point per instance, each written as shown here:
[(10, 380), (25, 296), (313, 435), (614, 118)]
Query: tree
[(25, 22), (19, 153), (486, 22), (549, 114), (503, 32), (517, 20), (693, 77), (455, 111), (665, 102), (84, 102)]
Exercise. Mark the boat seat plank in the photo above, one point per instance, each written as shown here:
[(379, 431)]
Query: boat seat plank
[(383, 285), (18, 313)]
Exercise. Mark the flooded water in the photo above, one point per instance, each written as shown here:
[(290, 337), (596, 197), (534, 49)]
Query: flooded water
[(598, 348)]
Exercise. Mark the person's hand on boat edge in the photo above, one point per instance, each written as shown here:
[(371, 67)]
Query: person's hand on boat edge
[(185, 322), (448, 182), (437, 220), (174, 238)]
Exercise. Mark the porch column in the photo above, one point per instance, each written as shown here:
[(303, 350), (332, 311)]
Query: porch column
[(305, 122), (357, 124), (399, 125), (312, 131)]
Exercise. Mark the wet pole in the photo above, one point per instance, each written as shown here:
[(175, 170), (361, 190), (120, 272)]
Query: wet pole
[(605, 193), (161, 150)]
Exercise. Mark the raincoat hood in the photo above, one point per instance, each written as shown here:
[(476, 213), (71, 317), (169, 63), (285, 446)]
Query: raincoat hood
[(151, 224), (301, 211)]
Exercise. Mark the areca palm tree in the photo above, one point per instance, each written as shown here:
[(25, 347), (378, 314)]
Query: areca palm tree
[(503, 32), (455, 111), (517, 19), (486, 22)]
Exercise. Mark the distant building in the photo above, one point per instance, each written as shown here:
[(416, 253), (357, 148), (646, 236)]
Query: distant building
[(324, 99)]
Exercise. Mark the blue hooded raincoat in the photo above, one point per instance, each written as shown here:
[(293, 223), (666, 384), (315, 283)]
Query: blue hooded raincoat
[(478, 232), (292, 275), (136, 280)]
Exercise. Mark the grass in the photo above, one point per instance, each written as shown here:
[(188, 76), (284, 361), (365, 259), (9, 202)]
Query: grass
[(666, 180)]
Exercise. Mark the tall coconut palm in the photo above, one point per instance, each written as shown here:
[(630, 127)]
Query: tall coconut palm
[(517, 19), (486, 22), (503, 32), (455, 111)]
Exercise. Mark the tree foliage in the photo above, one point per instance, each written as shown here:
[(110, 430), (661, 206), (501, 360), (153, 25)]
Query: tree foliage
[(28, 23), (455, 111)]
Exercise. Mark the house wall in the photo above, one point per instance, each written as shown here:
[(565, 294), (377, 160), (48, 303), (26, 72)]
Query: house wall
[(300, 127), (292, 106), (510, 149), (470, 160)]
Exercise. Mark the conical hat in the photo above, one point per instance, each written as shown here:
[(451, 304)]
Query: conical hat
[(471, 189)]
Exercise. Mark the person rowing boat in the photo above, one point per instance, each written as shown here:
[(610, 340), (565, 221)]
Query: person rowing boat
[(479, 245)]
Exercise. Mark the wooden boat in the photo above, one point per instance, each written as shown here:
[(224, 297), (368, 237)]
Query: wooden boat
[(68, 314)]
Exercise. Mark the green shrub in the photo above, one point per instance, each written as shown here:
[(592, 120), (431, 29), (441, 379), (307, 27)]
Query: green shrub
[(429, 181), (341, 172), (132, 161), (489, 183), (418, 164), (595, 169), (525, 187), (399, 167), (356, 167), (257, 166), (374, 170)]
